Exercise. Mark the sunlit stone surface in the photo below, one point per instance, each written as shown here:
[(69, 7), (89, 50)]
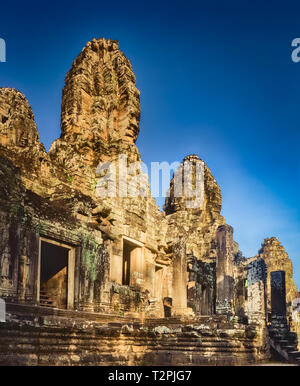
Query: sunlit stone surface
[(114, 280)]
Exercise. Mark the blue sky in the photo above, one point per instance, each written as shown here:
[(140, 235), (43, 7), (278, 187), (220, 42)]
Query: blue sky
[(216, 79)]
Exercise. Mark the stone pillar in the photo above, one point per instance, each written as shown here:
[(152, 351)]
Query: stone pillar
[(116, 263), (137, 268), (224, 270), (23, 275), (179, 300), (256, 299)]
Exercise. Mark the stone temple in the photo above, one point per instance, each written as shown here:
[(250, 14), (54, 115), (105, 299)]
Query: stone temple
[(89, 280)]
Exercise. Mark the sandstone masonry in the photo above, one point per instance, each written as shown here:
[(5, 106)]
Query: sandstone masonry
[(115, 280)]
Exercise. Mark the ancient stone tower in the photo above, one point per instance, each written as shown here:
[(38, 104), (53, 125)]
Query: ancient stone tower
[(138, 285)]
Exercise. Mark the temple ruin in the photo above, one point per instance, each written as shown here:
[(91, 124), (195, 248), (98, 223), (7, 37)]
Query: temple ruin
[(88, 280)]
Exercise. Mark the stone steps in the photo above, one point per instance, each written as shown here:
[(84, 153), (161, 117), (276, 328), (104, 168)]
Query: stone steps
[(46, 300), (286, 349), (37, 335), (282, 340), (108, 345), (295, 354)]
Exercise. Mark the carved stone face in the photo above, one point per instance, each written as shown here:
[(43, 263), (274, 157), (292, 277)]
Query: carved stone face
[(131, 131), (17, 126), (105, 100)]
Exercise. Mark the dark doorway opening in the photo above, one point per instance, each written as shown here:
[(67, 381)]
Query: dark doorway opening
[(167, 307), (54, 275), (127, 250), (204, 302), (278, 294)]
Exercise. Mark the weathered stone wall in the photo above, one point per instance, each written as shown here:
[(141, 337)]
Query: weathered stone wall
[(199, 228), (100, 111), (100, 120), (295, 320), (256, 282), (224, 270), (54, 339), (200, 224), (201, 287), (181, 259), (276, 259), (240, 286), (25, 217)]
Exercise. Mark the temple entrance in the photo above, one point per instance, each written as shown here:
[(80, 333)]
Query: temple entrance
[(278, 294), (56, 281), (204, 302), (127, 251), (133, 263)]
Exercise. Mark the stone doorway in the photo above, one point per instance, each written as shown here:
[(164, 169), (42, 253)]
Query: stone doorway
[(128, 248), (56, 275), (133, 263), (278, 294)]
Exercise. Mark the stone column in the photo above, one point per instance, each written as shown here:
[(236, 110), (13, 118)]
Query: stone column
[(23, 275), (256, 299), (116, 262), (179, 299), (224, 270), (137, 268)]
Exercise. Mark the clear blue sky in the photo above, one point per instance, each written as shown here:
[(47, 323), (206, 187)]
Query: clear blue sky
[(216, 79)]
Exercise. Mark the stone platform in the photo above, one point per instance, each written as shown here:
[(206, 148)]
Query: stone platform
[(61, 337)]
